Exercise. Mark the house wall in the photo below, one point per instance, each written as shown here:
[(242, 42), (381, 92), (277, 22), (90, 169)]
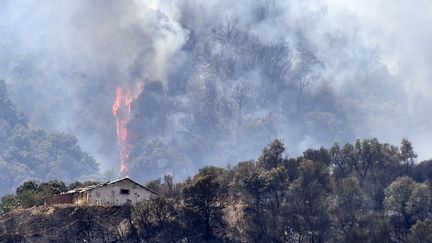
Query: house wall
[(59, 199), (110, 194)]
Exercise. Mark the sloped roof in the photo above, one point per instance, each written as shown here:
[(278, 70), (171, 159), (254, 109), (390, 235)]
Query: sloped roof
[(89, 188)]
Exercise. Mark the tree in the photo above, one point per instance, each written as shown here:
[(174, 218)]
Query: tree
[(421, 231), (28, 194), (31, 193), (78, 184), (28, 186), (406, 202), (340, 160), (204, 200), (52, 187), (376, 228), (7, 203), (321, 155), (272, 155), (267, 194), (157, 220), (254, 211), (422, 172), (167, 188), (365, 157), (228, 33), (408, 155), (374, 164), (348, 208), (308, 209)]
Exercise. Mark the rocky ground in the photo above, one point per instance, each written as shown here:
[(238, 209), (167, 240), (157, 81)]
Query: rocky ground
[(66, 223)]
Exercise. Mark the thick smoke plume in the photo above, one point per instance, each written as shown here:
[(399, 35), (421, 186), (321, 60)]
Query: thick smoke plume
[(63, 61), (220, 78)]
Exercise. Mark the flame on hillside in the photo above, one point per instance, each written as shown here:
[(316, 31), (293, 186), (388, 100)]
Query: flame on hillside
[(121, 110)]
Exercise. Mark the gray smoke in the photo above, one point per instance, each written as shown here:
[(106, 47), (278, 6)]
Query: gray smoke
[(63, 60), (357, 69)]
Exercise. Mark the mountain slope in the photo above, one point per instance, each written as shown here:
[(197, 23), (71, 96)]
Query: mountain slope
[(27, 153), (64, 224)]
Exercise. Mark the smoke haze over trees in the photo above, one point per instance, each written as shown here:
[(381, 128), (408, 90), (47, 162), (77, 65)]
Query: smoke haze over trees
[(27, 153), (215, 81)]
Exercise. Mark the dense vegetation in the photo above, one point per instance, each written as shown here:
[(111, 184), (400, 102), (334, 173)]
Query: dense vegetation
[(362, 192), (27, 153), (236, 93), (212, 83), (217, 76)]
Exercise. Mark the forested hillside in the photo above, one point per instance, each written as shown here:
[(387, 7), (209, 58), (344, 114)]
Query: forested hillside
[(362, 192), (211, 76), (27, 153), (191, 91)]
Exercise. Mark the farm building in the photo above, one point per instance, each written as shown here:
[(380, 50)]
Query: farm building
[(116, 192)]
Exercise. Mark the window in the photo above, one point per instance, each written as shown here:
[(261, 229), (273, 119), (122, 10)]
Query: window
[(124, 191)]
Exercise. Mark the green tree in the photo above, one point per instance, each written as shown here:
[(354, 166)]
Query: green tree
[(267, 191), (78, 184), (166, 188), (52, 187), (204, 200), (348, 208), (374, 164), (423, 172), (157, 220), (377, 229), (254, 212), (340, 160), (322, 155), (28, 194), (272, 155), (406, 202), (308, 209), (408, 155), (7, 203), (28, 186), (421, 231)]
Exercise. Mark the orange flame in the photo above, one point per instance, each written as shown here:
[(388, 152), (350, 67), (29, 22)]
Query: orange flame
[(121, 110)]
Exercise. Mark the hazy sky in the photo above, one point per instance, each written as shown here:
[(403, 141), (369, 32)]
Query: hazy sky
[(402, 34)]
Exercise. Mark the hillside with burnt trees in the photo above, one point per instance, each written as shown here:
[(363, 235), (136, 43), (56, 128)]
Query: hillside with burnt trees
[(362, 192), (199, 83)]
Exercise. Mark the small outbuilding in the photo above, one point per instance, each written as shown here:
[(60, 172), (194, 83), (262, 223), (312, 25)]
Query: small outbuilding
[(118, 192)]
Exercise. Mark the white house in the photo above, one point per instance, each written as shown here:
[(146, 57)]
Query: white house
[(118, 192)]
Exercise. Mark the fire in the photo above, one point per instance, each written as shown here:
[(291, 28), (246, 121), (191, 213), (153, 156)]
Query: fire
[(121, 110)]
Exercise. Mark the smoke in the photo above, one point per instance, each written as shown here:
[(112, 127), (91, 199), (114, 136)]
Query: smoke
[(63, 60), (398, 33), (309, 72)]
